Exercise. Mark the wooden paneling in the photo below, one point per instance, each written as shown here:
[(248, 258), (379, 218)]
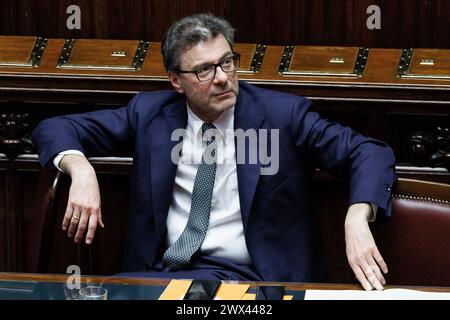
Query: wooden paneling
[(17, 206), (401, 125), (348, 115), (11, 219), (26, 211), (404, 23), (3, 220)]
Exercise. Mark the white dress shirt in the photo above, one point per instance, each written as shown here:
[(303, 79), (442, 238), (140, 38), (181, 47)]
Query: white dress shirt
[(225, 235)]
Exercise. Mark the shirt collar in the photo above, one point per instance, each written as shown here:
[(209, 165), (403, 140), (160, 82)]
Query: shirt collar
[(223, 123)]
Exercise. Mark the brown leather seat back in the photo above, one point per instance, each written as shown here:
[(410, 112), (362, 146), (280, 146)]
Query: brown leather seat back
[(415, 243)]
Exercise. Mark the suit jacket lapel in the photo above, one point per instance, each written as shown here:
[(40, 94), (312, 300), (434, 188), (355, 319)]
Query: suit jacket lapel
[(247, 117), (163, 169)]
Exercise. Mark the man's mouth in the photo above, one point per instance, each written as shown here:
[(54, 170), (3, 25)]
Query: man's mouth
[(221, 94)]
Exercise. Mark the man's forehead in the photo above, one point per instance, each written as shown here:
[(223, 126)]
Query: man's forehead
[(204, 52)]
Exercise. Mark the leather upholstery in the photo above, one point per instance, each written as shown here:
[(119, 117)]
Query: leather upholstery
[(415, 243)]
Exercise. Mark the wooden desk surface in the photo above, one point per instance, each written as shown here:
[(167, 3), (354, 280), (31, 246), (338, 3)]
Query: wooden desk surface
[(294, 286)]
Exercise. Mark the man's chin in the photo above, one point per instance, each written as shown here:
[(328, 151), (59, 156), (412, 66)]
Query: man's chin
[(227, 101), (227, 105)]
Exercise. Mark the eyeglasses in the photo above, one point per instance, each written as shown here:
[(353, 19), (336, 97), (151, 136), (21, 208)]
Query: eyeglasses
[(205, 73)]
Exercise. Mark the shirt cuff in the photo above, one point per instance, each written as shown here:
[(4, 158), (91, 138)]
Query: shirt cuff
[(60, 155), (373, 216)]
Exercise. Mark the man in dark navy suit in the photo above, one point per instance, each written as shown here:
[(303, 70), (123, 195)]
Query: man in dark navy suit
[(221, 172)]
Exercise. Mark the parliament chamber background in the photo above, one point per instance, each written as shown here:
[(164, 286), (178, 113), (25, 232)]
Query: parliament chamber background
[(390, 83)]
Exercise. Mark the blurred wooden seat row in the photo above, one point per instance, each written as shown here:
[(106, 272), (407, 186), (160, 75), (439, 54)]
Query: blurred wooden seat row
[(400, 96), (140, 62)]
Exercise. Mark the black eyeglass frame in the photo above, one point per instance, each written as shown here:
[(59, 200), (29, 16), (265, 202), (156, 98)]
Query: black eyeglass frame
[(215, 65)]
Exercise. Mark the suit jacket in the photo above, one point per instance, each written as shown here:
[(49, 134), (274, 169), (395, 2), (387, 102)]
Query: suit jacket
[(276, 209)]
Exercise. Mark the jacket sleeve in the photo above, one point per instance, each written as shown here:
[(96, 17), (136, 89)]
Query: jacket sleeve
[(369, 164), (97, 133)]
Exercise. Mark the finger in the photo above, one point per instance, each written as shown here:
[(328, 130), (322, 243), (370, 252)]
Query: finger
[(370, 275), (67, 216), (376, 269), (81, 226), (74, 219), (100, 219), (380, 261), (362, 278), (91, 228)]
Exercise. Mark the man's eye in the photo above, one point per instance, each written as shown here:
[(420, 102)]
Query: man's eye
[(204, 70), (227, 61)]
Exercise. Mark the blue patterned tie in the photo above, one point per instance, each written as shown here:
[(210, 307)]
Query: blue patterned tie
[(179, 254)]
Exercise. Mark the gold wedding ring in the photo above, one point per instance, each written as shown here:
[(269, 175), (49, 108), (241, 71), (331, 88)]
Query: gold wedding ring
[(75, 217)]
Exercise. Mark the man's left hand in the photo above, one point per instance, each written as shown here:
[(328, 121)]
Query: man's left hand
[(362, 252)]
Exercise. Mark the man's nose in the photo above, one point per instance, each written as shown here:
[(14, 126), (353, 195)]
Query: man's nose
[(221, 76)]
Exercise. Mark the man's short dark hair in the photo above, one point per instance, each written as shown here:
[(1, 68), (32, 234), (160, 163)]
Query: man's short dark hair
[(189, 31)]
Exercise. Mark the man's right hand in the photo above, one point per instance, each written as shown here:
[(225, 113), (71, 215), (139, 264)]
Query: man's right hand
[(84, 205)]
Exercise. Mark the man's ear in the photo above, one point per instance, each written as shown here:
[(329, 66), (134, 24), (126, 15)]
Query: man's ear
[(174, 79)]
